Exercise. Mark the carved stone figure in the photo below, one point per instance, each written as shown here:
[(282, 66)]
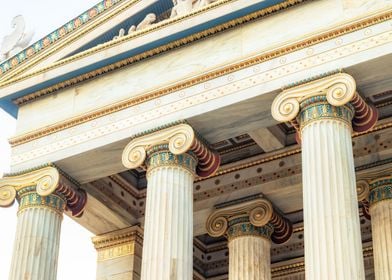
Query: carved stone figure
[(201, 3), (121, 33), (146, 22), (181, 7), (17, 40)]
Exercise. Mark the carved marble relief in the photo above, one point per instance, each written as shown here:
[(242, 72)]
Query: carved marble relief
[(17, 40), (180, 8)]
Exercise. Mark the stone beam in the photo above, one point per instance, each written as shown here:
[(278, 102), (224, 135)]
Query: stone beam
[(267, 140)]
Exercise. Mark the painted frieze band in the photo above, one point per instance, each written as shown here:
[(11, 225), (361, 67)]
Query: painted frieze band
[(160, 155), (380, 189)]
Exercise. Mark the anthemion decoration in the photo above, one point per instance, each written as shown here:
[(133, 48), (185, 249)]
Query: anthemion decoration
[(205, 139)]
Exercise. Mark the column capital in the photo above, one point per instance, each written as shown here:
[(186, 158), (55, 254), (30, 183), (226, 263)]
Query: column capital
[(372, 186), (258, 216), (44, 185), (178, 138), (337, 89), (118, 243), (380, 190), (363, 190)]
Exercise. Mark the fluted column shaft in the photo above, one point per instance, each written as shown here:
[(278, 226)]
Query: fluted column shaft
[(381, 212), (333, 247), (37, 238), (168, 229), (249, 252)]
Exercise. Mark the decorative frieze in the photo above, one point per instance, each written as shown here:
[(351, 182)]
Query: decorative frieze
[(160, 155), (380, 189), (30, 199)]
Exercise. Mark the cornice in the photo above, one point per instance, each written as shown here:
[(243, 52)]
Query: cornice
[(154, 27), (63, 36), (119, 237), (315, 39)]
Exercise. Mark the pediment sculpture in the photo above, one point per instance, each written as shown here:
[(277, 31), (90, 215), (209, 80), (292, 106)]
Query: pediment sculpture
[(15, 42)]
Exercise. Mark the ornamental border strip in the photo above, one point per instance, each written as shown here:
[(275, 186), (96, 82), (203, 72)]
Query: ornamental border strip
[(57, 34), (15, 141)]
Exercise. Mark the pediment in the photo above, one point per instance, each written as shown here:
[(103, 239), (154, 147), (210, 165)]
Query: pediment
[(86, 44), (97, 25)]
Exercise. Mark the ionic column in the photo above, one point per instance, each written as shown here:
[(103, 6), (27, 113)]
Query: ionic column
[(249, 227), (43, 195), (172, 157), (119, 254), (380, 199), (325, 111)]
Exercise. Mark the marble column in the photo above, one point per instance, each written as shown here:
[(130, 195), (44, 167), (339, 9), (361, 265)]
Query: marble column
[(380, 199), (249, 251), (325, 111), (37, 240), (119, 254), (249, 227), (172, 155), (43, 196)]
